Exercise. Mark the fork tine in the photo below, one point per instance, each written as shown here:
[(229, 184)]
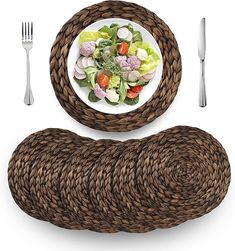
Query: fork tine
[(25, 31), (29, 31), (22, 30), (32, 31)]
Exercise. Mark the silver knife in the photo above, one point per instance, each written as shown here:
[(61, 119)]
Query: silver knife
[(202, 54)]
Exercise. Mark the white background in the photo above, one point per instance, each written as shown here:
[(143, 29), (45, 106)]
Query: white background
[(214, 231)]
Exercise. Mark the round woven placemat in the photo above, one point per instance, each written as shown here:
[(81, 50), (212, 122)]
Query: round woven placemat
[(107, 186), (160, 100)]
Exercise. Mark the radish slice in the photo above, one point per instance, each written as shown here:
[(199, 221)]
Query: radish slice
[(149, 76), (84, 62), (90, 61), (123, 33), (133, 76), (144, 79), (79, 63), (79, 70), (79, 76), (130, 36)]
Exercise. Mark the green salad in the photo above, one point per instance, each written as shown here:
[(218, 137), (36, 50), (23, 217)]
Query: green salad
[(115, 64)]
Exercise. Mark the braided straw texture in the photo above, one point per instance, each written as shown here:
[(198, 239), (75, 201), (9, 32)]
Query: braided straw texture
[(160, 100), (107, 186)]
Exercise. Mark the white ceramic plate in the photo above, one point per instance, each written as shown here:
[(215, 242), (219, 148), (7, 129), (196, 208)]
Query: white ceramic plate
[(102, 105)]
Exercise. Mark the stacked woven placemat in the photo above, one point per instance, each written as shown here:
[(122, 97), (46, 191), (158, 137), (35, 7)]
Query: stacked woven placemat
[(108, 186), (160, 100)]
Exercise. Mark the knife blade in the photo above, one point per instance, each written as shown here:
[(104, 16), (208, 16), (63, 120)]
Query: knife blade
[(202, 39), (202, 55)]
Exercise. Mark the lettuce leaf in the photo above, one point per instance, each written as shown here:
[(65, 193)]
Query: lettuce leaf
[(81, 82), (133, 101), (87, 36), (92, 97), (137, 36), (151, 62), (132, 49), (114, 82), (122, 91), (91, 76), (111, 31), (105, 43), (130, 28)]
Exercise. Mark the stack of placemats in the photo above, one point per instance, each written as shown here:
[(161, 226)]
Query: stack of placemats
[(108, 186)]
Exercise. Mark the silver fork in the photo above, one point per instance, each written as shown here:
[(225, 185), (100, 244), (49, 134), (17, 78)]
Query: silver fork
[(27, 43)]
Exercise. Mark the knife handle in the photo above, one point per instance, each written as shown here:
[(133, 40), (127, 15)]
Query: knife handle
[(202, 87)]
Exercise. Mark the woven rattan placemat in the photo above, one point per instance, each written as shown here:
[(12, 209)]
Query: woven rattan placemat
[(160, 100), (107, 186)]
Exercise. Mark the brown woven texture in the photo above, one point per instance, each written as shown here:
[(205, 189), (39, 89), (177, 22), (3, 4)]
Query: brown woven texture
[(160, 100), (107, 186)]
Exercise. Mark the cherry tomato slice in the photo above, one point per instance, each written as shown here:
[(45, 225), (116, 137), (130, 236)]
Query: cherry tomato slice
[(131, 94), (103, 80), (137, 88), (123, 48)]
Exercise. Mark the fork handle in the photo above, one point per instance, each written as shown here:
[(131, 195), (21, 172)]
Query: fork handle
[(28, 98), (202, 87)]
